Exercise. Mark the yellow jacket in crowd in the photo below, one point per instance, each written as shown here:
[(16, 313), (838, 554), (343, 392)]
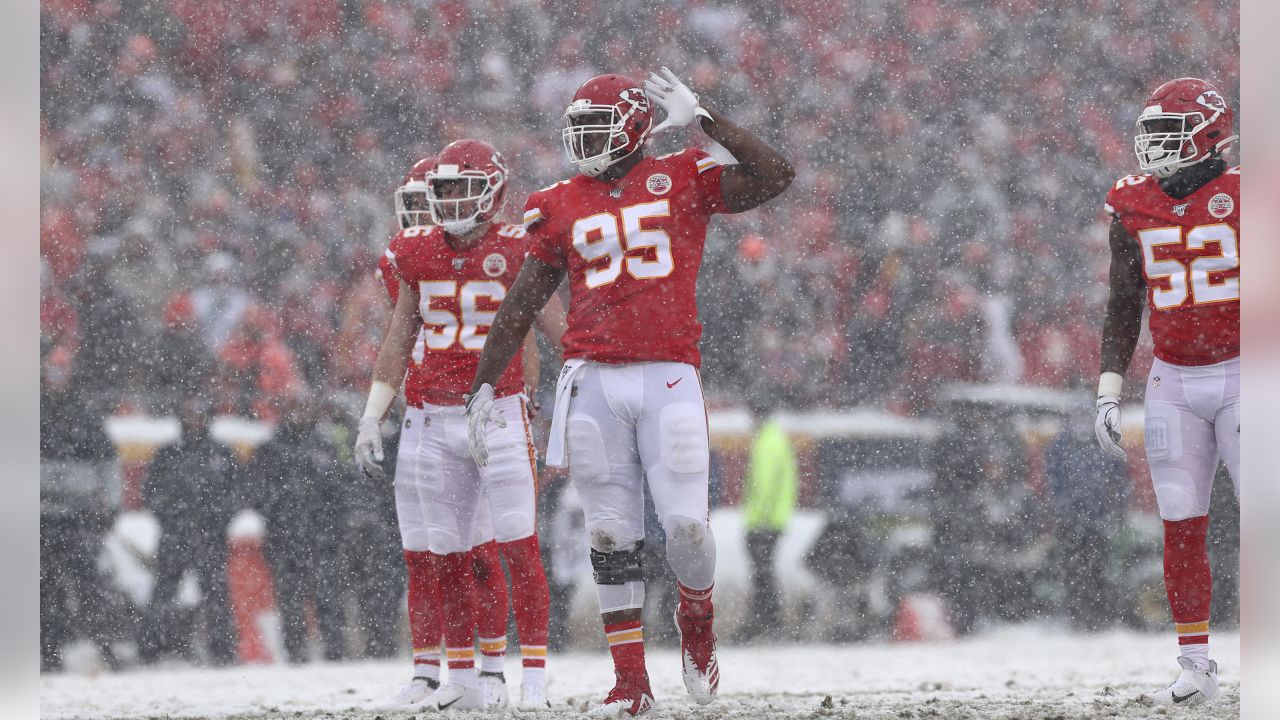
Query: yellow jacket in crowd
[(771, 480)]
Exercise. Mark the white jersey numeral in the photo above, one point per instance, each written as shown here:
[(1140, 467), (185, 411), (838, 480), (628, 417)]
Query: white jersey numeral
[(1192, 280), (597, 237), (441, 328)]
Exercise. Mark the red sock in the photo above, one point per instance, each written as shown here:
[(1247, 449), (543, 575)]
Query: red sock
[(532, 602), (1188, 583), (457, 576), (626, 645), (491, 606), (424, 611), (695, 604)]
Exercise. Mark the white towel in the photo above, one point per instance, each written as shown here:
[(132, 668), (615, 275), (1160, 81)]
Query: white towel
[(556, 444)]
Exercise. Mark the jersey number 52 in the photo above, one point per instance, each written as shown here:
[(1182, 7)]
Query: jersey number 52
[(1191, 279)]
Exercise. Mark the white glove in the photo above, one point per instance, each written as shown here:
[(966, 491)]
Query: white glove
[(482, 409), (1107, 426), (369, 446), (673, 96)]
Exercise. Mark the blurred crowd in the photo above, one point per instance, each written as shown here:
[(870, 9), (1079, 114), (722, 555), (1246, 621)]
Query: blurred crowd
[(217, 180), (218, 175)]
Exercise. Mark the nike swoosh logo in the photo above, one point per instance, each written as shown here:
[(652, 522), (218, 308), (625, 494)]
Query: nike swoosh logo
[(446, 705), (673, 384), (1183, 698)]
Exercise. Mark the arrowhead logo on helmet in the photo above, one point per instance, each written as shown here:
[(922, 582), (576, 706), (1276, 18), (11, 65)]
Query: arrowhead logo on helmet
[(608, 119)]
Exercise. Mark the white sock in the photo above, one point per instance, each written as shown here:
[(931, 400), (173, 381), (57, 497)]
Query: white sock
[(533, 676), (1198, 653), (466, 677)]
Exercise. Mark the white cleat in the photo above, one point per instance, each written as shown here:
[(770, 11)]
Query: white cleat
[(533, 696), (493, 687), (413, 694), (1197, 684), (452, 696)]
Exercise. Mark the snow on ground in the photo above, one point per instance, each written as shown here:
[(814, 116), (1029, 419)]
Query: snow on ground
[(1020, 673)]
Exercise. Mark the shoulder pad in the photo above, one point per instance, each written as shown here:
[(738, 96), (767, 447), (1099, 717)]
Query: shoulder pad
[(537, 207), (1117, 193), (553, 186), (1130, 181), (532, 216)]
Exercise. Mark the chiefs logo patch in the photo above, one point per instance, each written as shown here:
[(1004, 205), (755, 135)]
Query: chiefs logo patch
[(1221, 205), (636, 97), (494, 265), (1212, 100), (658, 184)]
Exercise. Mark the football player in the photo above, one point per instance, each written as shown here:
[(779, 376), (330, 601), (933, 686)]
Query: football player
[(413, 215), (629, 231), (1175, 239), (451, 277)]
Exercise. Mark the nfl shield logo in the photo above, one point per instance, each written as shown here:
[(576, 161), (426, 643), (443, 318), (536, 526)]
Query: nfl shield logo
[(458, 263)]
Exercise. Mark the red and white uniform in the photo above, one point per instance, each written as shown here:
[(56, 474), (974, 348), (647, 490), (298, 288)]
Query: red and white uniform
[(633, 258), (459, 294), (1191, 262), (443, 500), (629, 405)]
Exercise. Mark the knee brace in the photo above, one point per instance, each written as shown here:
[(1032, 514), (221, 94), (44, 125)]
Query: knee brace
[(618, 567)]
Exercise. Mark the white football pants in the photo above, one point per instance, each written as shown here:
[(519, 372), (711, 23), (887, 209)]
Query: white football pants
[(444, 502), (1192, 418), (638, 422)]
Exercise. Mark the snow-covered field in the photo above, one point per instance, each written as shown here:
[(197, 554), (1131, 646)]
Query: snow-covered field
[(1023, 673)]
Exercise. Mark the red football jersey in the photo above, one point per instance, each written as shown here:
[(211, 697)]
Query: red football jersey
[(1191, 261), (632, 249), (458, 297), (415, 380)]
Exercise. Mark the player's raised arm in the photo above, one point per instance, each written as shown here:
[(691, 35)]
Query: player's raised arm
[(761, 172), (1120, 330), (388, 373)]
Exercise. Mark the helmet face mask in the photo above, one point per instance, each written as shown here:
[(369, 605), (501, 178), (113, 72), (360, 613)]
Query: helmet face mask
[(593, 135), (609, 119), (1186, 121), (412, 206), (1165, 142), (411, 197), (458, 198)]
